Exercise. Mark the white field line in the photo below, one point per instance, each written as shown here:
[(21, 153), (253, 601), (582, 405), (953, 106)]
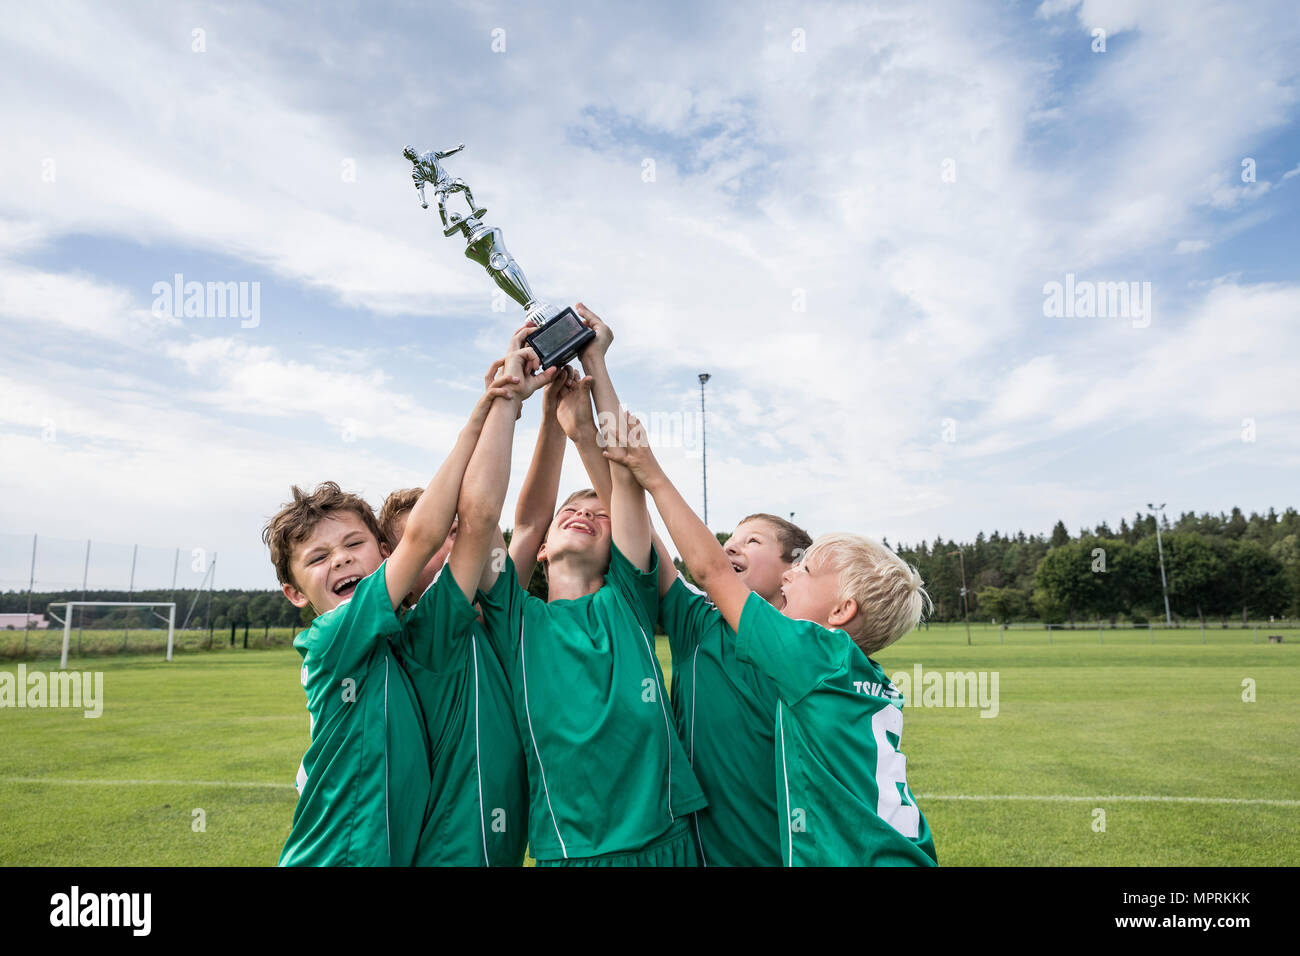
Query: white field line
[(237, 784), (1114, 798)]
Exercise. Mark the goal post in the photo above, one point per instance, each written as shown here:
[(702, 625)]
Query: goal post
[(68, 606)]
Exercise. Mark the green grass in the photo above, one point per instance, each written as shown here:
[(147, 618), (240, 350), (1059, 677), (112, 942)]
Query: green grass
[(1076, 719)]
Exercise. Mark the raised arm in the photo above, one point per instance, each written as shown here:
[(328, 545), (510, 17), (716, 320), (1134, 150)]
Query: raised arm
[(574, 414), (628, 518), (704, 557), (430, 519), (483, 491), (536, 505)]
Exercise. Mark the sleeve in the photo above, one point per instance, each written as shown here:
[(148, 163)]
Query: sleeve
[(797, 655), (355, 629), (639, 588), (684, 614), (435, 633), (503, 613)]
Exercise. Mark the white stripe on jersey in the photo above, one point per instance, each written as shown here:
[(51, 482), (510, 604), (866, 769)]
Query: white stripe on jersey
[(478, 770), (696, 815), (789, 835), (668, 727), (523, 664)]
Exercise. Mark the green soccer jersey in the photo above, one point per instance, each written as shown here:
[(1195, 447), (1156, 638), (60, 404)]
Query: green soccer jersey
[(606, 772), (367, 769), (841, 784), (478, 808), (726, 714)]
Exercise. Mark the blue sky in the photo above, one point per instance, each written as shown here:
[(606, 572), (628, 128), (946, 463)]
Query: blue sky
[(799, 153)]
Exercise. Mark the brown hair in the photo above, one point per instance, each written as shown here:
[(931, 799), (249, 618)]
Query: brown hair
[(580, 493), (794, 539), (298, 518), (397, 504)]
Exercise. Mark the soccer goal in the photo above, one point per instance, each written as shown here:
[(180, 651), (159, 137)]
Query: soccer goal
[(168, 616)]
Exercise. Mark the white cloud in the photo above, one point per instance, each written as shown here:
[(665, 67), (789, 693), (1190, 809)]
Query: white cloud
[(776, 171)]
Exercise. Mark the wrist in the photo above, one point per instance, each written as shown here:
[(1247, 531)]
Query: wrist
[(592, 360)]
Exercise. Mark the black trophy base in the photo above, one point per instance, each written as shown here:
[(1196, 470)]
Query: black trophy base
[(558, 340)]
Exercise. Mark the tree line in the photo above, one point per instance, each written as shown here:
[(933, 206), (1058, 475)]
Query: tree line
[(1216, 567), (1224, 566)]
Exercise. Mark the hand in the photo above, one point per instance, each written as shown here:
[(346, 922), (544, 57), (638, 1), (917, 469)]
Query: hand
[(566, 381), (522, 363), (574, 411), (631, 448), (498, 384), (604, 335), (516, 343)]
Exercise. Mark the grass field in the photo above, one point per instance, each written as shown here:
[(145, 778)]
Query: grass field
[(1157, 736)]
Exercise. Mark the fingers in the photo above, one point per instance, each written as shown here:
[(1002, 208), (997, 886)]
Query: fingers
[(521, 333), (492, 372)]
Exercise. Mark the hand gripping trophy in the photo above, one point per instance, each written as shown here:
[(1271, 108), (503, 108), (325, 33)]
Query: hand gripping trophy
[(561, 334)]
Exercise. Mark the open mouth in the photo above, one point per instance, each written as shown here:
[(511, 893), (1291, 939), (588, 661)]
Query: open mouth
[(737, 567), (346, 586), (584, 527)]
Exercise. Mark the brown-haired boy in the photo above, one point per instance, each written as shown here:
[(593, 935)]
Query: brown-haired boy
[(367, 783)]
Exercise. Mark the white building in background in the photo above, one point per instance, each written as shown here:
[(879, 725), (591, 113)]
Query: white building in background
[(19, 621)]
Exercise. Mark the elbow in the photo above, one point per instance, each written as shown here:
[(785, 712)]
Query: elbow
[(717, 568)]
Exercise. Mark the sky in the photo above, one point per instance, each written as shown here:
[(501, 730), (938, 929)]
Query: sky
[(852, 216)]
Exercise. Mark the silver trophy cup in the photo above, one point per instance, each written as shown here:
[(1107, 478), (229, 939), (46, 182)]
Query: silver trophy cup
[(561, 334)]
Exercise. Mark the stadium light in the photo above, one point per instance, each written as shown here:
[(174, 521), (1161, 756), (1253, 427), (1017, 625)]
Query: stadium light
[(1164, 586), (704, 457), (965, 610)]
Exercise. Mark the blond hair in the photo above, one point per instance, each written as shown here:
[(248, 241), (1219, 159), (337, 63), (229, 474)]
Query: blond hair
[(890, 594)]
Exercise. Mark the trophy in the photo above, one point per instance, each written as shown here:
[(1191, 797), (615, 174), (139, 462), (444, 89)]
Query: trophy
[(561, 334)]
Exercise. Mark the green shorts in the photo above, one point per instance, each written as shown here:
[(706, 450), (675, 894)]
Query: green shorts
[(673, 847)]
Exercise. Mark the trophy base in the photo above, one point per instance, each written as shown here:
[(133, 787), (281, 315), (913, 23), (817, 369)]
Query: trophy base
[(560, 339), (457, 224)]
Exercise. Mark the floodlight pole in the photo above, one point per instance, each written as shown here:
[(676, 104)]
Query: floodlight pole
[(1164, 586), (965, 610), (704, 457)]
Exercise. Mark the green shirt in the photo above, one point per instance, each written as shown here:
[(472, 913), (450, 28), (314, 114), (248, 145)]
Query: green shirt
[(606, 771), (840, 775), (478, 812), (367, 769), (726, 715)]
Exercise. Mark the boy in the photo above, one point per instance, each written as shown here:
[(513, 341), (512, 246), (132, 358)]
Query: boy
[(730, 702), (610, 784), (479, 810), (842, 791), (724, 706), (367, 784)]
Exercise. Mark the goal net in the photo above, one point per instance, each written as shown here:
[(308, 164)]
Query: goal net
[(109, 627)]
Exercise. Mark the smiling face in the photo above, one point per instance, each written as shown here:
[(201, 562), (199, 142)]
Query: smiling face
[(810, 591), (580, 532), (327, 565), (757, 555)]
